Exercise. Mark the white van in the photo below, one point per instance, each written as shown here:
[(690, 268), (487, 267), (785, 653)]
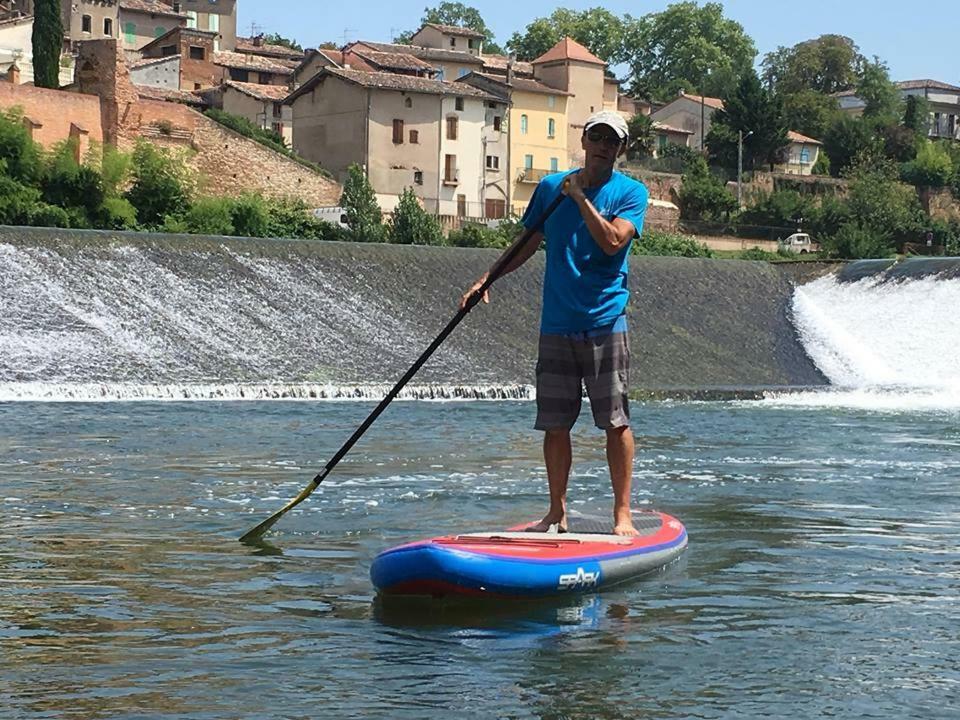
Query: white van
[(334, 215), (799, 243)]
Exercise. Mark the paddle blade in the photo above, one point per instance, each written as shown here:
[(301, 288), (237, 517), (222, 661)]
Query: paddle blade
[(253, 537)]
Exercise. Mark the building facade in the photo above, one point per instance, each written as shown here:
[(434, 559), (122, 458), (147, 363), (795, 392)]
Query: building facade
[(943, 99)]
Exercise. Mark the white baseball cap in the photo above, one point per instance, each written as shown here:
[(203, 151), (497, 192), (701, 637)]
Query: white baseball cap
[(610, 119)]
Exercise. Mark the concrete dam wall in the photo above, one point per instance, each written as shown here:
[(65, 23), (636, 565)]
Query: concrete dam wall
[(105, 311)]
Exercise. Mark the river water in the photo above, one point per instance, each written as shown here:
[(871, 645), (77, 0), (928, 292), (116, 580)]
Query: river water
[(822, 577)]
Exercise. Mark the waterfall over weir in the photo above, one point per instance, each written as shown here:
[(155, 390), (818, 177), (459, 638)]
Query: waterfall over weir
[(101, 316), (886, 334)]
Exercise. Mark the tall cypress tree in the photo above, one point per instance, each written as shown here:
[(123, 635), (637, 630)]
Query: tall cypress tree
[(47, 43)]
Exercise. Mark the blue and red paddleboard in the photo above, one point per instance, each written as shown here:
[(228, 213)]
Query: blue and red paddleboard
[(516, 563)]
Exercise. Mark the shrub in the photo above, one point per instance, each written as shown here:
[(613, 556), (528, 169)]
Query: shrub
[(19, 154), (482, 236), (160, 185), (412, 225), (291, 218), (207, 216), (249, 216), (245, 127), (702, 196), (855, 240), (782, 208), (932, 167), (657, 242), (360, 205)]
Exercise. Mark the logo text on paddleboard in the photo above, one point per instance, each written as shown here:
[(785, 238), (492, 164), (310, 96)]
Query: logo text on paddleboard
[(579, 580)]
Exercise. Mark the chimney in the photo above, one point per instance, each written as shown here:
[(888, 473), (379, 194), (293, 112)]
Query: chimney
[(258, 41), (510, 61), (176, 6), (13, 74)]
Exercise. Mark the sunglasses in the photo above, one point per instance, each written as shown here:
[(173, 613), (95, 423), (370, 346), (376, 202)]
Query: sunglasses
[(598, 136)]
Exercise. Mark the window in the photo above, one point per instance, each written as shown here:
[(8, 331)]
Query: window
[(493, 162), (554, 165), (495, 208), (439, 72), (461, 205), (239, 75), (458, 103), (497, 120), (523, 124), (462, 71), (278, 128), (196, 86), (191, 19), (108, 27), (452, 126), (158, 31), (804, 155), (408, 103), (277, 109), (86, 24), (414, 137), (450, 168), (168, 50), (398, 132), (528, 162), (213, 22), (130, 33), (551, 101), (197, 53), (418, 177), (453, 42), (472, 43), (551, 128)]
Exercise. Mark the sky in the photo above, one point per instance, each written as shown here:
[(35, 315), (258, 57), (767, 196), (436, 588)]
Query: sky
[(911, 39)]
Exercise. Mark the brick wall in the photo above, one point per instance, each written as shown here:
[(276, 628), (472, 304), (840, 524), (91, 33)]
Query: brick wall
[(54, 113)]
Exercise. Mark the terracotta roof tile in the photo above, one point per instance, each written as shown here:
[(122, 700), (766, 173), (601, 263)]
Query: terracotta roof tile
[(568, 49), (423, 53), (498, 63), (392, 81), (267, 93), (457, 30), (257, 63), (921, 84), (797, 137), (152, 7), (249, 46), (393, 60), (150, 92), (710, 102)]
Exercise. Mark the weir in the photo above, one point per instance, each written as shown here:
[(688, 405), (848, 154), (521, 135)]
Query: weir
[(97, 316)]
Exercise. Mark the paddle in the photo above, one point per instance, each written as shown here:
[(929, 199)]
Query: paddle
[(254, 535)]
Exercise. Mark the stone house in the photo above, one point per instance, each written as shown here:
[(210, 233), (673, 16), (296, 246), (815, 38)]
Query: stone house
[(88, 20), (943, 98), (143, 21), (689, 113), (187, 52), (405, 131), (216, 16), (244, 67), (256, 46), (313, 62), (448, 64), (449, 37), (261, 104)]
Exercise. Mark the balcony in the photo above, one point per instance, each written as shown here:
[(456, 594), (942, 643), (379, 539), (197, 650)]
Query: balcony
[(533, 175), (451, 176)]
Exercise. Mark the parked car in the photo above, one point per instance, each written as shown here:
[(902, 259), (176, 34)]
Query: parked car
[(799, 243)]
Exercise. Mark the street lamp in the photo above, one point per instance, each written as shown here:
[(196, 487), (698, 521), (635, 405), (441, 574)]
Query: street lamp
[(740, 138)]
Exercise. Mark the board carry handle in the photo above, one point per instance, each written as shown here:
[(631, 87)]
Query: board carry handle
[(253, 536)]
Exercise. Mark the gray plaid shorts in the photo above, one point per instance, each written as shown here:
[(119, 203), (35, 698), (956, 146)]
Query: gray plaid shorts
[(566, 364)]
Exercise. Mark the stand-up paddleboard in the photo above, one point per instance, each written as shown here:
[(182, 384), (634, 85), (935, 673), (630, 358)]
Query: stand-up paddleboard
[(517, 563)]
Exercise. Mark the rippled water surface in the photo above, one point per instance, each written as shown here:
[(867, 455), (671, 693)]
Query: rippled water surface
[(822, 577)]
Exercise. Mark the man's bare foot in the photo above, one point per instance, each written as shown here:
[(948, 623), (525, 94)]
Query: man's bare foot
[(548, 523), (624, 527)]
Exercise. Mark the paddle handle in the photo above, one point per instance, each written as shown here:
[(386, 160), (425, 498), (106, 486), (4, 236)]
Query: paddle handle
[(495, 273)]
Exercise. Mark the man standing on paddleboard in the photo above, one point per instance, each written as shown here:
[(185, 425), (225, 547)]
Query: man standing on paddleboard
[(583, 327)]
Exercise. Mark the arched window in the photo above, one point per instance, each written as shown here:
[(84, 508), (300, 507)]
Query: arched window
[(523, 124), (551, 128), (408, 103)]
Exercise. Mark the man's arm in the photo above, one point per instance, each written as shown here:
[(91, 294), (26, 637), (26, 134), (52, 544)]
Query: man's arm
[(611, 235), (524, 254)]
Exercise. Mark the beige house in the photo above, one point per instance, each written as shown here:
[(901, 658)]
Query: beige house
[(88, 20), (16, 48), (570, 67), (449, 37), (260, 104), (313, 62), (689, 113), (406, 131), (143, 21), (242, 67), (801, 155), (943, 98), (448, 65), (217, 16)]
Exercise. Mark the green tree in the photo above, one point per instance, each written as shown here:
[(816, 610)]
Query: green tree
[(878, 202), (459, 14), (20, 156), (642, 136), (359, 202), (846, 139), (702, 196), (597, 29), (880, 95), (756, 113), (160, 185), (916, 115), (683, 47), (411, 223), (47, 42), (809, 112), (278, 39), (827, 64), (932, 167)]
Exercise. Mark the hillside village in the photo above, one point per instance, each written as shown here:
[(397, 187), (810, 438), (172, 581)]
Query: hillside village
[(470, 132)]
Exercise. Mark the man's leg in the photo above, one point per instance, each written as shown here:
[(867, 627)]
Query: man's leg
[(558, 456), (620, 448)]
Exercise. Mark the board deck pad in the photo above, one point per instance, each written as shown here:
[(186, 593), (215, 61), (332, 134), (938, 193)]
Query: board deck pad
[(646, 524)]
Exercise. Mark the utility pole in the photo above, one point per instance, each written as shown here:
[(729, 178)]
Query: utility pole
[(740, 138)]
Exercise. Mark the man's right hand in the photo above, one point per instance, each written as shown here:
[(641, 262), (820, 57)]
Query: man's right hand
[(473, 288)]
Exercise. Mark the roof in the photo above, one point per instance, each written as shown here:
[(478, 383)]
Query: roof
[(153, 61), (391, 81), (568, 49), (498, 63), (926, 84), (208, 34), (457, 56), (392, 60), (257, 63), (457, 30), (670, 128), (797, 137), (519, 84), (266, 93), (150, 92), (710, 102), (16, 20), (151, 7), (250, 46)]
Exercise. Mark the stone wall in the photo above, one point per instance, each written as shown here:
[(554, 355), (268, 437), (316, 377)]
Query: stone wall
[(53, 115)]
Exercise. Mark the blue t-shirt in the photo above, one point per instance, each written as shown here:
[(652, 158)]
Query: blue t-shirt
[(583, 287)]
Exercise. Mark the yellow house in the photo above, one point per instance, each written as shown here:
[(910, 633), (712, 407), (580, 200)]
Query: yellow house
[(537, 127)]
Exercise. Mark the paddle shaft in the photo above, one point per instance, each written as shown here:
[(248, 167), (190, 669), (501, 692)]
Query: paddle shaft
[(496, 272), (254, 535)]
